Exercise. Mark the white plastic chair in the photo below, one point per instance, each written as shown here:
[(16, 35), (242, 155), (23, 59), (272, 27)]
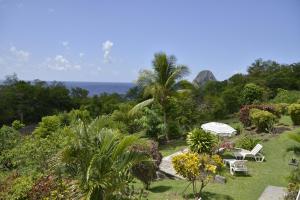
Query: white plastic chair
[(254, 153)]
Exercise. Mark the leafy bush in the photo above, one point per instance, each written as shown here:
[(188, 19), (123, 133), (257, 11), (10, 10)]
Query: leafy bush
[(9, 138), (263, 120), (282, 108), (200, 141), (294, 110), (294, 184), (48, 125), (239, 129), (17, 125), (247, 142), (152, 122), (146, 171), (195, 167), (286, 96), (16, 188), (252, 94), (244, 114)]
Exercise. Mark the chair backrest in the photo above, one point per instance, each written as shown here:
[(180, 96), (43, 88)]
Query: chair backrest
[(256, 149), (239, 164)]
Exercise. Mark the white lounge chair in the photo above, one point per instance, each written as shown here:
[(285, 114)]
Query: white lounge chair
[(236, 165), (254, 153)]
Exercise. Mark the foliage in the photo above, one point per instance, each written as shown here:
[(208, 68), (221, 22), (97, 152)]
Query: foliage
[(239, 129), (294, 110), (200, 141), (48, 125), (252, 93), (101, 159), (195, 167), (151, 121), (282, 108), (244, 114), (263, 120), (18, 187), (247, 142), (103, 104), (17, 125), (160, 84), (9, 138), (294, 178), (29, 101), (231, 99), (123, 115), (286, 96), (294, 184), (146, 171), (215, 106)]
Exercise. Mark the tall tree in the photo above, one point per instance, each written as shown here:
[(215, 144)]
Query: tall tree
[(161, 83)]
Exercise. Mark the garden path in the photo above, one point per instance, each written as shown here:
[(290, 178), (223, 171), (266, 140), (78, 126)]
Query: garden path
[(273, 193), (166, 165)]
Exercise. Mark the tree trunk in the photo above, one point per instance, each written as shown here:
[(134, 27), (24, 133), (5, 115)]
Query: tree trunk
[(201, 188), (166, 131)]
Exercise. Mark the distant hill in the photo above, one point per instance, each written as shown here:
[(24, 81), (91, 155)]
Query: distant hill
[(203, 77)]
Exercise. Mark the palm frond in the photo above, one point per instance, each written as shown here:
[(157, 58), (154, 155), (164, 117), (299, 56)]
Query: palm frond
[(178, 73), (140, 106), (124, 144)]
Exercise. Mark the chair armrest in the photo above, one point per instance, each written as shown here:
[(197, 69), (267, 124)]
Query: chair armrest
[(237, 149)]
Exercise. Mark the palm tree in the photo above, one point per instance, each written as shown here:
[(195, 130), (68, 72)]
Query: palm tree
[(161, 83), (101, 159)]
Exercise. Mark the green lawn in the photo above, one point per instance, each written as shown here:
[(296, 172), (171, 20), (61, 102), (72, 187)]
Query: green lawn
[(172, 147), (272, 172)]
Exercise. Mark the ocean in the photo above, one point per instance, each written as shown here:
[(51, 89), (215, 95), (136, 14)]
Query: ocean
[(97, 87), (100, 87)]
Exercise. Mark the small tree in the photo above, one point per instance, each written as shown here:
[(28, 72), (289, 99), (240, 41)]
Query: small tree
[(252, 93), (200, 141), (195, 167), (294, 110), (146, 171)]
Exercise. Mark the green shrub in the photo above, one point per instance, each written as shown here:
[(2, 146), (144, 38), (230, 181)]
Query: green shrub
[(17, 125), (247, 142), (294, 110), (48, 125), (286, 96), (282, 108), (146, 171), (244, 114), (252, 93), (239, 129), (9, 138), (200, 141), (263, 120)]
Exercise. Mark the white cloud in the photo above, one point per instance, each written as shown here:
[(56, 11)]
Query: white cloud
[(65, 44), (99, 69), (60, 63), (106, 48), (21, 55), (51, 10), (81, 54)]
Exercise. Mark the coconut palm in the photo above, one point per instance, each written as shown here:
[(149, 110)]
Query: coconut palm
[(161, 83), (101, 159)]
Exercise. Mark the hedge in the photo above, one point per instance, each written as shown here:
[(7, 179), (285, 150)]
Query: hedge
[(294, 111), (244, 114)]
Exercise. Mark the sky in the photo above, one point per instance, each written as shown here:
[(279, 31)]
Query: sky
[(111, 41)]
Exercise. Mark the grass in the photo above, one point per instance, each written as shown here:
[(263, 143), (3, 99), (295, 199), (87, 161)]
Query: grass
[(274, 171), (172, 147)]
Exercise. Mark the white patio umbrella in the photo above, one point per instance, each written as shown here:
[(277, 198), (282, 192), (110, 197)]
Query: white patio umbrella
[(219, 129)]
